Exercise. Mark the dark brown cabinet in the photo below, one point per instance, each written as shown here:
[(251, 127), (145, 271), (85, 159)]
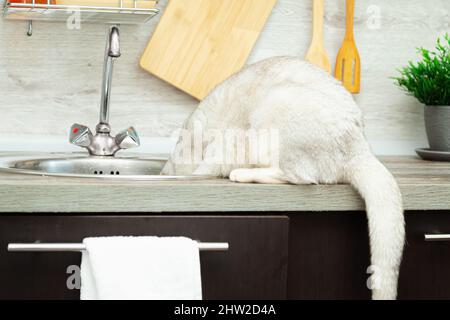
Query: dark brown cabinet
[(329, 256), (301, 255), (255, 266), (425, 271)]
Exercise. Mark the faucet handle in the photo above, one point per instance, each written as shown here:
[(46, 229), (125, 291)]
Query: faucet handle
[(128, 139), (80, 135)]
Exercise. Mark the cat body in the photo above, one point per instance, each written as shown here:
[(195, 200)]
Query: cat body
[(320, 140)]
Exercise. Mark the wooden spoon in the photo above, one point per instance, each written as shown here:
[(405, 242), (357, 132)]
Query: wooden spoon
[(348, 62), (316, 53)]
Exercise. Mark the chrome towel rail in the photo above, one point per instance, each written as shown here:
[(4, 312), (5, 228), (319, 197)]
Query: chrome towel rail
[(74, 247), (437, 237)]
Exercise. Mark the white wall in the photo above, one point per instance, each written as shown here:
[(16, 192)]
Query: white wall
[(52, 79)]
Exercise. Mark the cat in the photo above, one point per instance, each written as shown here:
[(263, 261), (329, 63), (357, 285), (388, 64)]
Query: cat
[(321, 141)]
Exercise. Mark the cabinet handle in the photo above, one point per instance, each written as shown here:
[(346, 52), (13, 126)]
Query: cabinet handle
[(437, 237), (45, 247)]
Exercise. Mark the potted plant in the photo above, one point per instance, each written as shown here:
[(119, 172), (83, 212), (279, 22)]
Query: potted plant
[(429, 81)]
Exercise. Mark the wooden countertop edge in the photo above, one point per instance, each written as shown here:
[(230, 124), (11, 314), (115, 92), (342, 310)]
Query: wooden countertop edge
[(424, 186), (205, 198)]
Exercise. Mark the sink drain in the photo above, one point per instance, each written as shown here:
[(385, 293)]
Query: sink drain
[(111, 173)]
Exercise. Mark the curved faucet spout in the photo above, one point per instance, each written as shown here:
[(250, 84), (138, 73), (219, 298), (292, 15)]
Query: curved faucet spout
[(102, 143), (112, 51)]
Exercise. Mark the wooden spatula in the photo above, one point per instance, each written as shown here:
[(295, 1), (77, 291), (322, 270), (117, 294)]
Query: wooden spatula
[(316, 53), (348, 62)]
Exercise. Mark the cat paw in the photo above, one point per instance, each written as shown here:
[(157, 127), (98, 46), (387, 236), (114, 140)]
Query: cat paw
[(235, 175), (241, 175), (258, 175)]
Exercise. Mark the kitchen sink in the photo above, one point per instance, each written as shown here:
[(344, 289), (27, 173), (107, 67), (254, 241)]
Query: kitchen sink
[(77, 165), (101, 162)]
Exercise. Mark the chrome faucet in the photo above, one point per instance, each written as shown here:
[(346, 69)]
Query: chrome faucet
[(102, 143)]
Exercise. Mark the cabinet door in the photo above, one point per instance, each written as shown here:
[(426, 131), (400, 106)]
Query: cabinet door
[(255, 266), (329, 255), (425, 272)]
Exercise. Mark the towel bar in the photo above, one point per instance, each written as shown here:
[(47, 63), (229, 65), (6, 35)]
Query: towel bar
[(437, 237), (55, 247)]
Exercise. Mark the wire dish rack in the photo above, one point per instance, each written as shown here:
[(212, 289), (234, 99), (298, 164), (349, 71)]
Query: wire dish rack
[(125, 12)]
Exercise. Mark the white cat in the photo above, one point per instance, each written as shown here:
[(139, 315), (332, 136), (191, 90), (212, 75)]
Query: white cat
[(321, 141)]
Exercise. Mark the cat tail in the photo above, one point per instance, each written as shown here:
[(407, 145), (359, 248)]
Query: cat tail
[(386, 222)]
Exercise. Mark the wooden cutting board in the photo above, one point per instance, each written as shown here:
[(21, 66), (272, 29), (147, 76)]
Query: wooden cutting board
[(199, 43)]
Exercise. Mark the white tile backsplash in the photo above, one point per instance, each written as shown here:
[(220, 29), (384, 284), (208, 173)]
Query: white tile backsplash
[(52, 79)]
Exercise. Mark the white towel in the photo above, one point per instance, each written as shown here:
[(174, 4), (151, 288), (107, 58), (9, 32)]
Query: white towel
[(140, 268)]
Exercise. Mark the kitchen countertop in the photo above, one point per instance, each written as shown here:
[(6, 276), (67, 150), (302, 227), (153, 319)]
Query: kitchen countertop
[(425, 185)]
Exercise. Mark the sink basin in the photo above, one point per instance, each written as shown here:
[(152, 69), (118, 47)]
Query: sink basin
[(84, 166)]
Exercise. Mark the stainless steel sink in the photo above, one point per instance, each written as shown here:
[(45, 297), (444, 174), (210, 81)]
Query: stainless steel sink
[(101, 162), (83, 166)]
